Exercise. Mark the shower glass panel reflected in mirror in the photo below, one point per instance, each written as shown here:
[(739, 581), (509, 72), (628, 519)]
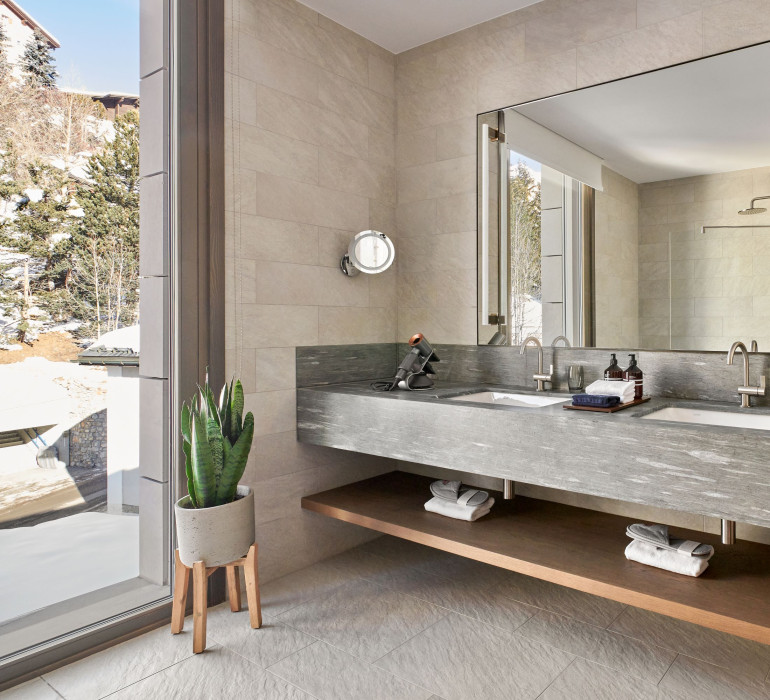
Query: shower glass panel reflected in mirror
[(648, 199)]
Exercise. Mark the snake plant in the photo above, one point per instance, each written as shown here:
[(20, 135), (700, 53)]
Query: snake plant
[(216, 440)]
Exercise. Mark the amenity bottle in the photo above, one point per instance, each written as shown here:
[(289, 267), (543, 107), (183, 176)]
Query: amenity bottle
[(634, 374), (614, 373)]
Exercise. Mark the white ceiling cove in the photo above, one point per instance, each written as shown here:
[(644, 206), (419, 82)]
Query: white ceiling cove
[(708, 116), (398, 25)]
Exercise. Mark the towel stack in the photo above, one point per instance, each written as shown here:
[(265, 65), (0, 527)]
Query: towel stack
[(605, 394), (452, 499), (651, 545)]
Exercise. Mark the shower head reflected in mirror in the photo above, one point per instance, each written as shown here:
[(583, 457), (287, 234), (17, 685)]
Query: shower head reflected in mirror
[(752, 209)]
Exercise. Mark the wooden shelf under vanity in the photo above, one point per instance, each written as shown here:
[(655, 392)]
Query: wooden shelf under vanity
[(573, 547)]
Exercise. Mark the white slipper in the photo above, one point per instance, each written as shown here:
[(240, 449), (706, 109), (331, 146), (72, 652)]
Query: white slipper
[(455, 492)]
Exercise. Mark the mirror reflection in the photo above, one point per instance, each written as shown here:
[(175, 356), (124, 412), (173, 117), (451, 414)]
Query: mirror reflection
[(631, 214)]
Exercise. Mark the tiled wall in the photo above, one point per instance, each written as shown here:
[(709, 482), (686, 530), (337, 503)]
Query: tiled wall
[(549, 47), (720, 279), (616, 255), (310, 112)]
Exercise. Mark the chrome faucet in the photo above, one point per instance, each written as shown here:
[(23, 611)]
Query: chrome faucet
[(561, 337), (746, 391), (540, 377)]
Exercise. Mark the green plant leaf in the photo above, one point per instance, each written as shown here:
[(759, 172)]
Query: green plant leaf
[(211, 407), (186, 447), (237, 410), (202, 465), (186, 423), (214, 435), (236, 462)]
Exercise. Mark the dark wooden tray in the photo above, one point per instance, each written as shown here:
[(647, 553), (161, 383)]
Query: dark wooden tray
[(611, 409)]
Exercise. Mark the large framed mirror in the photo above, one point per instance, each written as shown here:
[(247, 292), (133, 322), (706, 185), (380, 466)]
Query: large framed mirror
[(632, 214)]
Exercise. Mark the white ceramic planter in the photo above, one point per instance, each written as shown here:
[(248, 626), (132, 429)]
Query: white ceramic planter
[(216, 535)]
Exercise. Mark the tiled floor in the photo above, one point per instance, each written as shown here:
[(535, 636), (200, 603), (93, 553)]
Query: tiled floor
[(396, 621)]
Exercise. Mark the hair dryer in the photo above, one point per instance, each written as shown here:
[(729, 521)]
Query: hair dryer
[(415, 367)]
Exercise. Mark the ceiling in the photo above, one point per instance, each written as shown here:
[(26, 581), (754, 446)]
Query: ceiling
[(398, 25), (708, 116)]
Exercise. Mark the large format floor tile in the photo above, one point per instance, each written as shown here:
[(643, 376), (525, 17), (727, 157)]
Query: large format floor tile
[(264, 646), (282, 594), (36, 689), (119, 666), (363, 618), (463, 659), (740, 655), (625, 654), (465, 594), (219, 673), (690, 679), (561, 600), (331, 674), (584, 679)]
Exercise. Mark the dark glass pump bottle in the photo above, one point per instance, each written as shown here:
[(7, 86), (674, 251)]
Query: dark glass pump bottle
[(634, 374), (613, 373)]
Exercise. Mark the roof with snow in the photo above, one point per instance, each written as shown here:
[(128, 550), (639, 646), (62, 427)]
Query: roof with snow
[(120, 347), (31, 22)]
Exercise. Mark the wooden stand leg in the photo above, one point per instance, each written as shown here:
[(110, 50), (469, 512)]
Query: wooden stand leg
[(234, 588), (252, 587), (181, 582), (200, 603)]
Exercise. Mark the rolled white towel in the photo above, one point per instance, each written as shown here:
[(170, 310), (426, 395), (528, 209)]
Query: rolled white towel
[(666, 559), (603, 387), (457, 511)]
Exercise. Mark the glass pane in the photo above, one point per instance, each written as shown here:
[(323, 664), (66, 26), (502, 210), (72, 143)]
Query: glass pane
[(70, 502)]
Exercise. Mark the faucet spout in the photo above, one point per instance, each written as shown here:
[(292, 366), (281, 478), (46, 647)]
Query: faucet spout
[(746, 390), (540, 377)]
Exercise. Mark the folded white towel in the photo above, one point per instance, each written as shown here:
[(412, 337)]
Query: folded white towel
[(455, 510), (603, 387), (666, 559)]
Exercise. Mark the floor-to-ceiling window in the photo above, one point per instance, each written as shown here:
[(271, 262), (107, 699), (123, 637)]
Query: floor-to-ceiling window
[(85, 316)]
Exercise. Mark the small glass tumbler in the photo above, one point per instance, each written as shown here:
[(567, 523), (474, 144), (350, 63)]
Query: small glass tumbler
[(575, 378)]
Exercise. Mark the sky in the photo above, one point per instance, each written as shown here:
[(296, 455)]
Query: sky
[(99, 42)]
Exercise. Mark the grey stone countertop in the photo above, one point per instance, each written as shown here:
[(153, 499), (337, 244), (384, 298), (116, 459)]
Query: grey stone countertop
[(717, 471)]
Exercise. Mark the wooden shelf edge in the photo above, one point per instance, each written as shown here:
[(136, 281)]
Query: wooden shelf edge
[(699, 615)]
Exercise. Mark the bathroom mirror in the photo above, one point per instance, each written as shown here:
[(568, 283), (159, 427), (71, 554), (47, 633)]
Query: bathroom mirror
[(631, 214), (370, 252)]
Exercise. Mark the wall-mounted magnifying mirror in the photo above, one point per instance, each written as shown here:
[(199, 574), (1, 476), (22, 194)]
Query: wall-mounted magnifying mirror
[(370, 252)]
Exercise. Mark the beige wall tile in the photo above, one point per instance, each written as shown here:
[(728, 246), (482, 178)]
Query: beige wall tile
[(673, 41), (274, 411), (300, 119), (277, 240), (577, 24), (280, 198), (349, 99), (382, 76), (347, 174), (447, 177), (278, 69), (729, 25), (382, 149), (416, 147), (340, 325), (416, 218), (434, 106), (539, 78), (456, 139), (276, 154), (274, 369), (655, 11), (277, 326)]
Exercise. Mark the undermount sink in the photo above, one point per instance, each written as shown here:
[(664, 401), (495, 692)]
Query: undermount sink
[(753, 421), (502, 398)]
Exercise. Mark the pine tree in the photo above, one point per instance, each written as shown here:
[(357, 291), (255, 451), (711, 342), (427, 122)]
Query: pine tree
[(38, 235), (105, 276), (38, 62), (4, 65)]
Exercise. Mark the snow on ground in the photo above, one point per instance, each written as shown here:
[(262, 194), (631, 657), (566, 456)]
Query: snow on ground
[(58, 560), (82, 388)]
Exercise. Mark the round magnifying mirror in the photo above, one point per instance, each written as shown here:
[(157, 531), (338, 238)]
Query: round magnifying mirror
[(370, 252)]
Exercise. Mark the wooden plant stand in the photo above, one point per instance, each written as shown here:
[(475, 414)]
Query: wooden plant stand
[(200, 574)]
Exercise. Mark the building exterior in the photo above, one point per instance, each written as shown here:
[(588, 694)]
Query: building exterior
[(118, 351), (19, 25)]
